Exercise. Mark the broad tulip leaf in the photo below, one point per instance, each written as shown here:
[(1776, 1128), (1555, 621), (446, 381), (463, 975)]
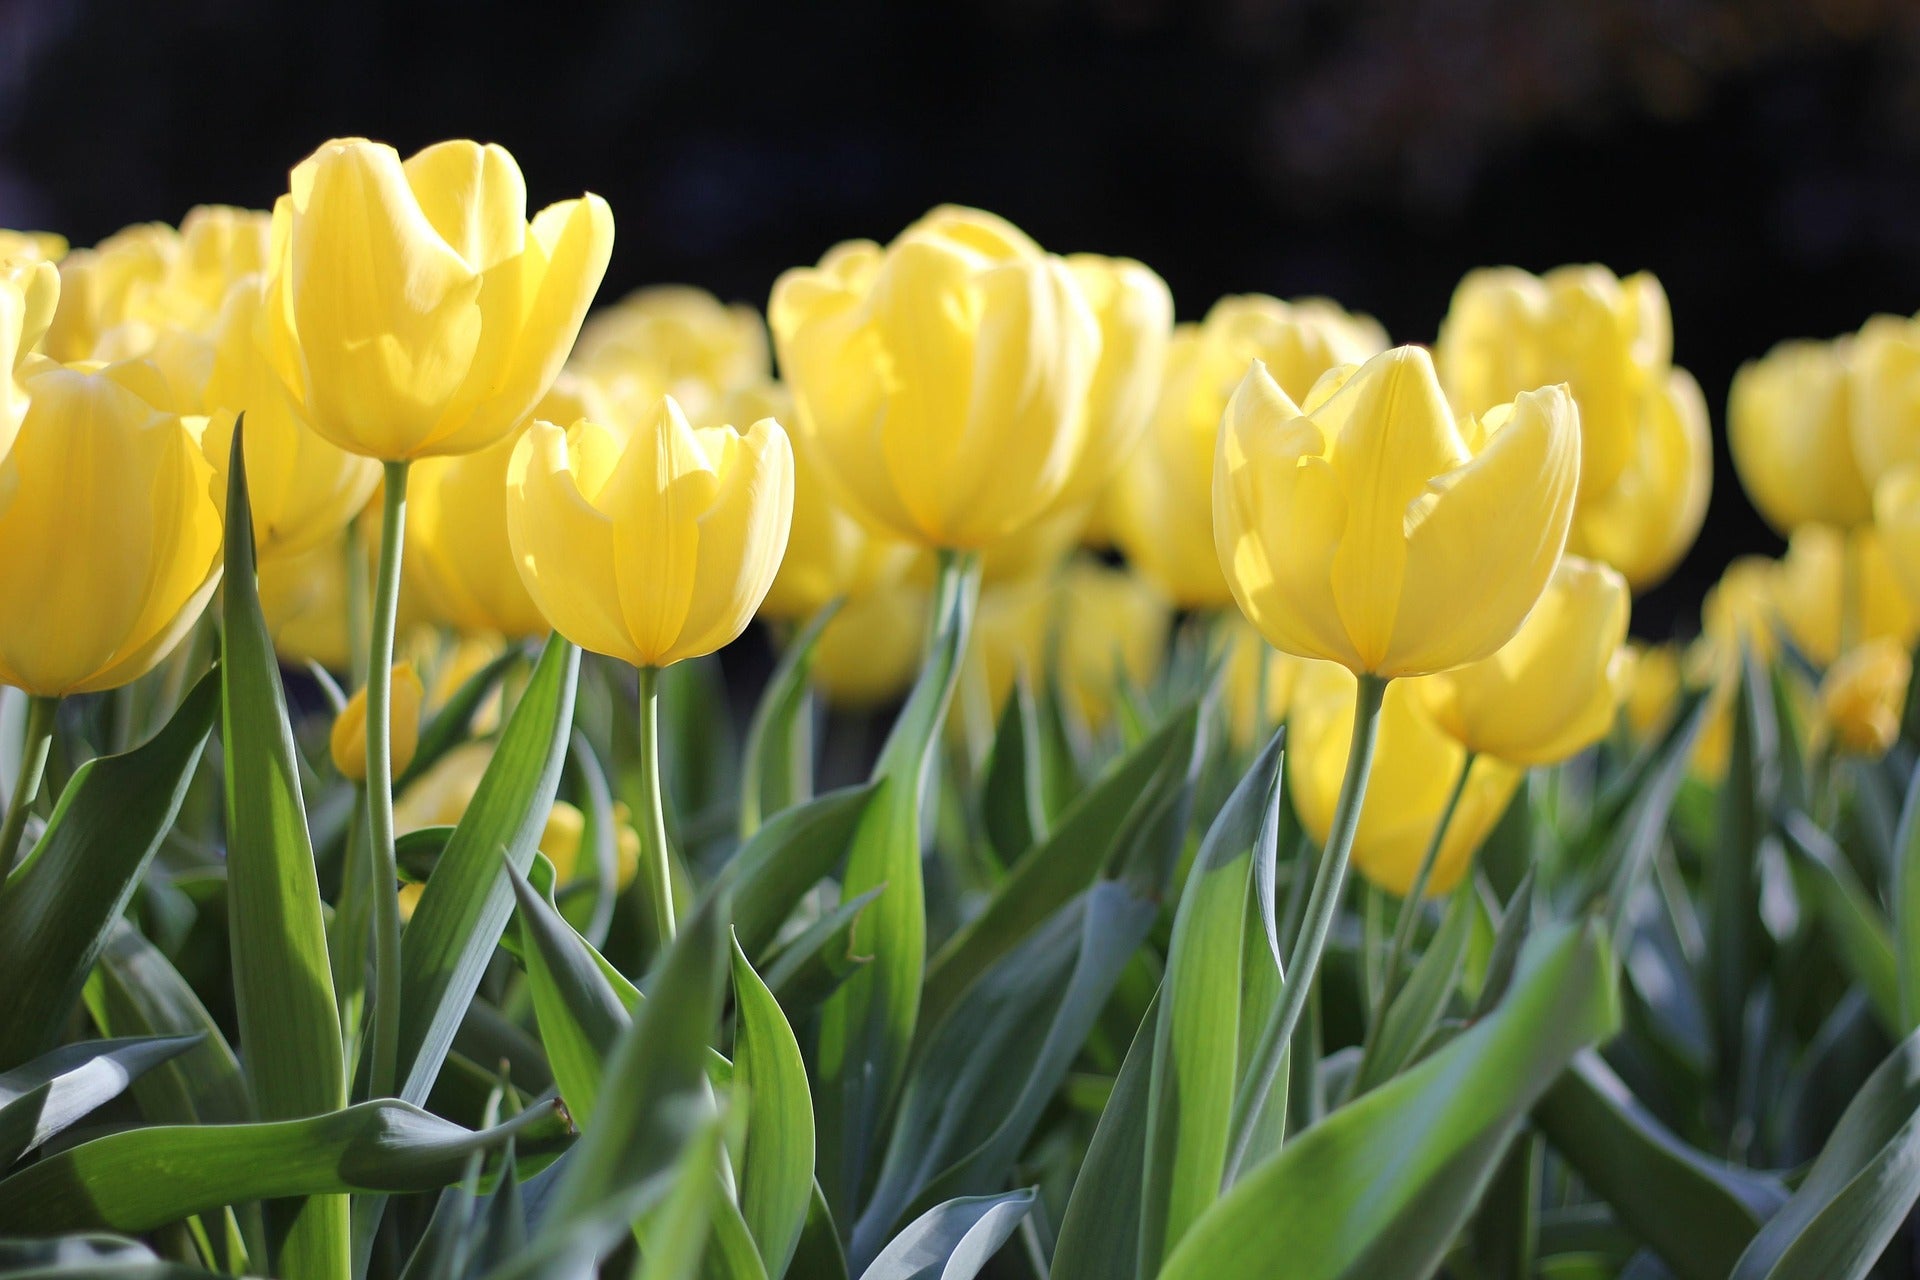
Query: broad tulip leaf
[(785, 858), (56, 1089), (290, 1038), (58, 907), (1100, 1233), (1639, 829), (1013, 799), (142, 1179), (775, 1160), (96, 1257), (777, 768), (818, 1256), (581, 1015), (468, 899), (1381, 1186), (952, 1241), (1418, 1007), (804, 972), (1851, 915), (1733, 872), (1906, 907)]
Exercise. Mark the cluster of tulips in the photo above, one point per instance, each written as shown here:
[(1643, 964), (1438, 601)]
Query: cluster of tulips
[(987, 479)]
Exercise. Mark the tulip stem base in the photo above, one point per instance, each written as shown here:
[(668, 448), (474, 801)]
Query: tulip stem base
[(33, 766), (386, 880), (656, 865), (1323, 903)]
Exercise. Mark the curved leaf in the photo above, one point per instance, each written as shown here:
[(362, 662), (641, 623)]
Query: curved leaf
[(777, 764), (952, 1241), (50, 1093), (776, 1157), (785, 858)]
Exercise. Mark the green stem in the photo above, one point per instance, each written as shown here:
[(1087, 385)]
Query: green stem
[(386, 879), (1322, 903), (33, 764), (358, 640), (655, 865)]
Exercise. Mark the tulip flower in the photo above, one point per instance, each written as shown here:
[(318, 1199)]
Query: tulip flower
[(1162, 504), (1790, 425), (672, 340), (1834, 590), (303, 600), (1739, 615), (348, 741), (1554, 689), (868, 653), (942, 382), (1135, 312), (1884, 368), (1256, 682), (1896, 515), (1653, 689), (29, 293), (1646, 459), (651, 552), (1862, 697), (112, 544)]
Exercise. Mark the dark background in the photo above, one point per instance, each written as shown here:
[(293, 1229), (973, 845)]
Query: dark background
[(1762, 156)]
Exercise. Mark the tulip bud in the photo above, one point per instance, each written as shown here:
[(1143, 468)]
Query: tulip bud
[(1415, 766), (111, 534), (1553, 690), (1884, 382), (413, 311), (942, 382), (656, 551), (1162, 502), (1863, 695), (1833, 586), (349, 740), (672, 340), (1789, 423), (1371, 530)]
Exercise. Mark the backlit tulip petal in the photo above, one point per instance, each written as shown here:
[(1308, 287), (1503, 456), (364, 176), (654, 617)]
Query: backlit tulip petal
[(1789, 424)]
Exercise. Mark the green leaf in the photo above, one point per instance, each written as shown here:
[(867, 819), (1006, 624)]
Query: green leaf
[(1515, 925), (97, 1257), (580, 1013), (1639, 830), (453, 723), (1697, 1213), (818, 1255), (1197, 1048), (1100, 1234), (142, 1179), (1417, 1009), (867, 1028), (1013, 804), (952, 1241), (1906, 907), (58, 907), (1086, 843), (1851, 916), (282, 976), (777, 766), (1380, 1187), (467, 901), (811, 967), (776, 1159), (1733, 871), (673, 1238), (785, 858), (1860, 1189), (50, 1093)]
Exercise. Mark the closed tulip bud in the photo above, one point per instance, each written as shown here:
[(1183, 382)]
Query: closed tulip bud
[(942, 382), (349, 740), (1835, 589), (303, 490), (1162, 503), (1790, 425), (1553, 690), (868, 655), (1370, 529), (1113, 636), (1884, 365), (672, 340), (29, 292), (1862, 697), (1414, 769), (656, 551), (111, 534), (1135, 311), (303, 600), (1896, 515), (1256, 682), (830, 554), (413, 309), (1653, 689)]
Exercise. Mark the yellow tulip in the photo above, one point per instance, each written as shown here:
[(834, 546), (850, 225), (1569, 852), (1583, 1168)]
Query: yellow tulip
[(868, 655), (1135, 311), (29, 292), (1653, 689), (1885, 390), (1256, 681), (1834, 590), (1863, 696), (942, 382), (1896, 514), (1161, 505), (31, 246), (1789, 423), (656, 551), (1369, 529), (1034, 552), (303, 490), (1553, 690), (111, 534), (1113, 633), (1415, 766), (1740, 614), (303, 599), (97, 284), (672, 340), (348, 742), (412, 309)]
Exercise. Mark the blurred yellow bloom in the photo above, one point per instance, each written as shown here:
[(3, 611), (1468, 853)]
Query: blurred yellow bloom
[(1256, 682), (412, 308), (29, 293), (1827, 573), (1885, 386), (1653, 689), (1415, 766), (1646, 462), (302, 490), (1369, 529), (1112, 634), (942, 382), (1135, 311), (1896, 514), (1161, 506), (1863, 695), (672, 340), (1740, 614), (303, 599), (1789, 423), (31, 246), (657, 550), (1553, 690), (111, 535), (348, 742), (1011, 630), (1035, 551), (868, 655)]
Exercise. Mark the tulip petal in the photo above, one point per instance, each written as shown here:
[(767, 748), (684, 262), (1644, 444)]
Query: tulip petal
[(562, 544), (743, 535)]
